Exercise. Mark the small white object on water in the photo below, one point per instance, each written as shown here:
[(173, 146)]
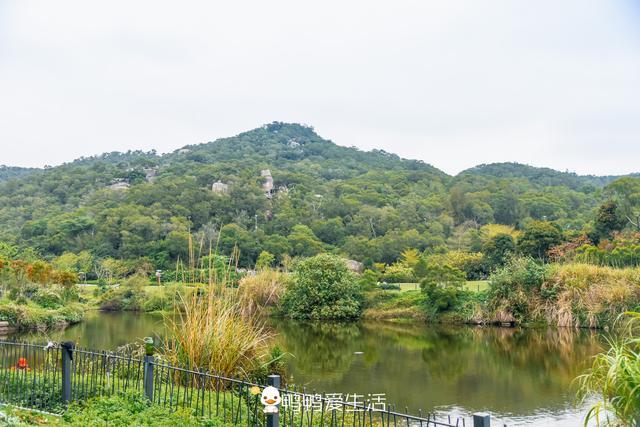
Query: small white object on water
[(358, 352)]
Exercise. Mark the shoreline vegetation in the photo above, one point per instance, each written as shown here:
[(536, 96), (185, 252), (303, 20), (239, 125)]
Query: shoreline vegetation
[(522, 292), (219, 325)]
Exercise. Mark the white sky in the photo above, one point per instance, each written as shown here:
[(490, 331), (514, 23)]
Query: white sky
[(453, 82)]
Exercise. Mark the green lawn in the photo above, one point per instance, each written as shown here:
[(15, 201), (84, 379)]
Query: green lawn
[(476, 285), (408, 286), (471, 285)]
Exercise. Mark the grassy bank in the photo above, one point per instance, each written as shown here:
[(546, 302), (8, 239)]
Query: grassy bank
[(523, 292), (397, 306), (573, 295), (32, 317)]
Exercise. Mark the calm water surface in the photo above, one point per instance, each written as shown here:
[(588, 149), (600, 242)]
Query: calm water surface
[(520, 376)]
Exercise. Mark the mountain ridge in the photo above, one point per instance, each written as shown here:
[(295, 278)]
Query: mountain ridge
[(307, 135)]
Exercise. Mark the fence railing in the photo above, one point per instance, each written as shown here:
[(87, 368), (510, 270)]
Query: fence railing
[(49, 377)]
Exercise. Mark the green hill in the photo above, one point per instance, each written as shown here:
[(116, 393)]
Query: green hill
[(369, 206)]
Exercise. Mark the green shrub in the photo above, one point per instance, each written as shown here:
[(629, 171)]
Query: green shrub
[(129, 296), (157, 302), (398, 273), (369, 279), (471, 263), (102, 288), (443, 289), (512, 287), (48, 297), (389, 286), (23, 292), (323, 288), (130, 409), (519, 273)]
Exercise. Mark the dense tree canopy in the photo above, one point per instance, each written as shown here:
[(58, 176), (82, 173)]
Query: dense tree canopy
[(368, 206)]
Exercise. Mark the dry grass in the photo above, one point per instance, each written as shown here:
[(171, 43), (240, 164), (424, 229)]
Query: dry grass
[(212, 331), (262, 291), (586, 292)]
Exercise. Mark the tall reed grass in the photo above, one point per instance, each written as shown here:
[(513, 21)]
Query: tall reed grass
[(590, 295), (211, 329), (262, 291), (567, 295), (614, 379)]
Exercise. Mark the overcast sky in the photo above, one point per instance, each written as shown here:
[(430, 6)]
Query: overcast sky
[(456, 83)]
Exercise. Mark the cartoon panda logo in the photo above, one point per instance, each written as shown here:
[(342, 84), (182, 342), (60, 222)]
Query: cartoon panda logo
[(270, 399)]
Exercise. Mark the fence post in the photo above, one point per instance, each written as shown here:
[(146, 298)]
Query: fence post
[(67, 356), (148, 368), (273, 420), (481, 419)]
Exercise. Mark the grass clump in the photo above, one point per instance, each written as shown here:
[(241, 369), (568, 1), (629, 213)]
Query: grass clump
[(262, 291), (128, 296), (210, 330), (614, 378)]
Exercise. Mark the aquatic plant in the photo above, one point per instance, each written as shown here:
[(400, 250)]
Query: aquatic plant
[(614, 378), (210, 329)]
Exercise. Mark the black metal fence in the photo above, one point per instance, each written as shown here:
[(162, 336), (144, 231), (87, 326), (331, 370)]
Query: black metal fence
[(49, 377)]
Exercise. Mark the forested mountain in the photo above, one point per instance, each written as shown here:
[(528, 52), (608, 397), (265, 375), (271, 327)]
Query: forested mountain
[(7, 172), (540, 177), (369, 206)]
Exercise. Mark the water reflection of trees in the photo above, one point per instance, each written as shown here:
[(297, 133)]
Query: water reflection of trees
[(504, 369), (320, 347), (106, 331)]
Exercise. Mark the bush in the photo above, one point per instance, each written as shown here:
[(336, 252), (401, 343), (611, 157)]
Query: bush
[(129, 296), (512, 287), (562, 294), (398, 273), (369, 279), (48, 298), (157, 302), (323, 288), (442, 287), (265, 260), (32, 317), (471, 263)]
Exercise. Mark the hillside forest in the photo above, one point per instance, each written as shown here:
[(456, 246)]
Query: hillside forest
[(281, 192)]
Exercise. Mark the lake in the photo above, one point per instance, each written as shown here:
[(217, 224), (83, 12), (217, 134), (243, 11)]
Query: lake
[(521, 376)]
